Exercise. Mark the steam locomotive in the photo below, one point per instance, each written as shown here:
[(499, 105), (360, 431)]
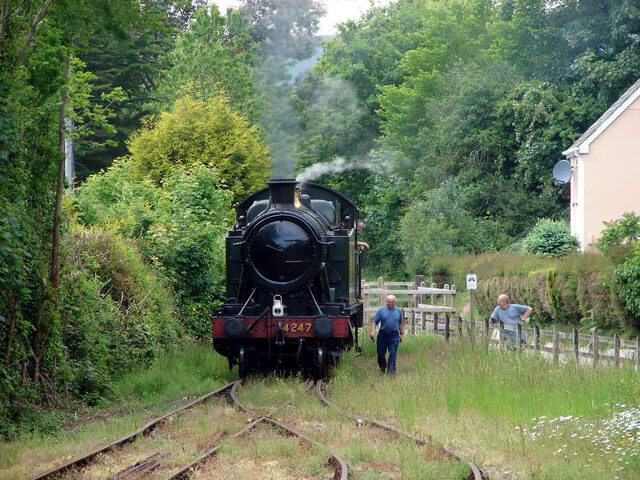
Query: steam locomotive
[(292, 281)]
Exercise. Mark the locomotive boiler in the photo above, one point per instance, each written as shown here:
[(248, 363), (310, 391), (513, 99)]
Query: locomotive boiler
[(292, 280)]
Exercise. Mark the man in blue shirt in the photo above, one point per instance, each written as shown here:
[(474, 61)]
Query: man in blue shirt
[(510, 314), (390, 334)]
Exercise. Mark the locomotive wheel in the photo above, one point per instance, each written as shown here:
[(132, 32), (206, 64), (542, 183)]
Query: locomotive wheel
[(242, 363)]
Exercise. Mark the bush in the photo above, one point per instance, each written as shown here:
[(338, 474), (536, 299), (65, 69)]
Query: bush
[(550, 238), (622, 231), (180, 226), (627, 277)]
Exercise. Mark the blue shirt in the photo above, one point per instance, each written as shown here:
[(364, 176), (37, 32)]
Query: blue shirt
[(389, 319), (510, 315)]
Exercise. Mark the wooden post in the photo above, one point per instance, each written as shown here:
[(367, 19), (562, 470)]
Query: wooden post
[(576, 345), (423, 315), (501, 333), (536, 338), (417, 281), (366, 300), (454, 299), (596, 347), (413, 321), (446, 327), (433, 298), (446, 297), (459, 327), (435, 322), (485, 330), (556, 344), (472, 308), (637, 352), (519, 338), (616, 349)]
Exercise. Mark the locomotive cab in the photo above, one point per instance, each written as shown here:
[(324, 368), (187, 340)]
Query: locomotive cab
[(293, 280)]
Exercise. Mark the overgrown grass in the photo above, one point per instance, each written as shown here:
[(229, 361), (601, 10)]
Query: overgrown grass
[(487, 402), (517, 416), (192, 369)]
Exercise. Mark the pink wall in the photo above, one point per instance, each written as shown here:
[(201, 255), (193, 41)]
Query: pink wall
[(612, 173)]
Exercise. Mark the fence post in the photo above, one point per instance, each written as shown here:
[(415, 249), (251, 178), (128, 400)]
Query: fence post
[(485, 330), (536, 338), (454, 299), (576, 345), (446, 297), (413, 322), (616, 349), (596, 347), (417, 281), (366, 304), (637, 352), (459, 327), (446, 326), (423, 315), (433, 298), (556, 344), (519, 338), (501, 334), (435, 322)]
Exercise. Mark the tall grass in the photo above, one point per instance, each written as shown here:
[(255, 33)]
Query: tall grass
[(488, 401), (517, 416), (192, 369)]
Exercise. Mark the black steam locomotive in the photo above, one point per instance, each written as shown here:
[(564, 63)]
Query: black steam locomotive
[(293, 280)]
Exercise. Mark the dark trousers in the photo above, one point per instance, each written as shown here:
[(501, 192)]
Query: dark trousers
[(388, 341)]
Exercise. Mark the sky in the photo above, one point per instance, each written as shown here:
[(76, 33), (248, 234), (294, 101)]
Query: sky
[(338, 11)]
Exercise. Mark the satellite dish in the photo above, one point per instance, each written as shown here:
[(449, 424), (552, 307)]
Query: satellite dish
[(562, 171)]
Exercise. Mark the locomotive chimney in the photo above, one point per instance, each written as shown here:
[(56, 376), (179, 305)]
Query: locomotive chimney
[(283, 192)]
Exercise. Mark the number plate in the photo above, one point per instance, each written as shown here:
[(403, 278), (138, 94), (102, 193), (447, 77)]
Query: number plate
[(297, 327)]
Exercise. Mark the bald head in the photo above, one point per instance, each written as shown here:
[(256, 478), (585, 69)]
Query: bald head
[(503, 300), (391, 301)]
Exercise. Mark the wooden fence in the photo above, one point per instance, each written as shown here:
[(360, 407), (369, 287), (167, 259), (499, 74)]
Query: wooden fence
[(439, 316), (412, 297)]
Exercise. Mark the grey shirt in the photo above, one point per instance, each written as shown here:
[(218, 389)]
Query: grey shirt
[(510, 315)]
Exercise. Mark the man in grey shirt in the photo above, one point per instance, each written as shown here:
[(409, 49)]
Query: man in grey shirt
[(510, 314)]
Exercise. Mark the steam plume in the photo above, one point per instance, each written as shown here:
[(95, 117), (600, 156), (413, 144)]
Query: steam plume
[(337, 165)]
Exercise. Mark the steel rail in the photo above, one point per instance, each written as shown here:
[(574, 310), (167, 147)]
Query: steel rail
[(476, 474), (150, 426), (338, 464)]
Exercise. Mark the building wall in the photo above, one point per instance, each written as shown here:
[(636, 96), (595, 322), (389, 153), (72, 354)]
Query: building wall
[(610, 175)]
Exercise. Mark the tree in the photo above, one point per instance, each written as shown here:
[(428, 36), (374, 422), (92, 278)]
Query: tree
[(132, 60), (217, 55), (202, 133), (283, 28)]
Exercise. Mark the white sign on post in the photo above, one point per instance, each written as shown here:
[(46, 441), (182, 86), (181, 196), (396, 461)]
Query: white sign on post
[(472, 281)]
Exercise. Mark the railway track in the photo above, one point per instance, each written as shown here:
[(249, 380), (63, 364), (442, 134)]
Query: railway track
[(229, 391), (152, 462), (476, 474)]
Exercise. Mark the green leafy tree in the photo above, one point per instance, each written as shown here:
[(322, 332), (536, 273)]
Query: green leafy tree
[(202, 133), (217, 55)]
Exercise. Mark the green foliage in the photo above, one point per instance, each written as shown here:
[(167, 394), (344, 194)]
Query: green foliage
[(202, 133), (625, 230), (216, 54), (564, 290), (442, 225), (180, 226), (627, 276), (550, 238)]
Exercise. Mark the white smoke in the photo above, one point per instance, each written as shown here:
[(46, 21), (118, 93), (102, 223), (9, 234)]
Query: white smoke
[(337, 165)]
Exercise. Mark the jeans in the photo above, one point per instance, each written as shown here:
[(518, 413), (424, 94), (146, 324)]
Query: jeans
[(388, 340)]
